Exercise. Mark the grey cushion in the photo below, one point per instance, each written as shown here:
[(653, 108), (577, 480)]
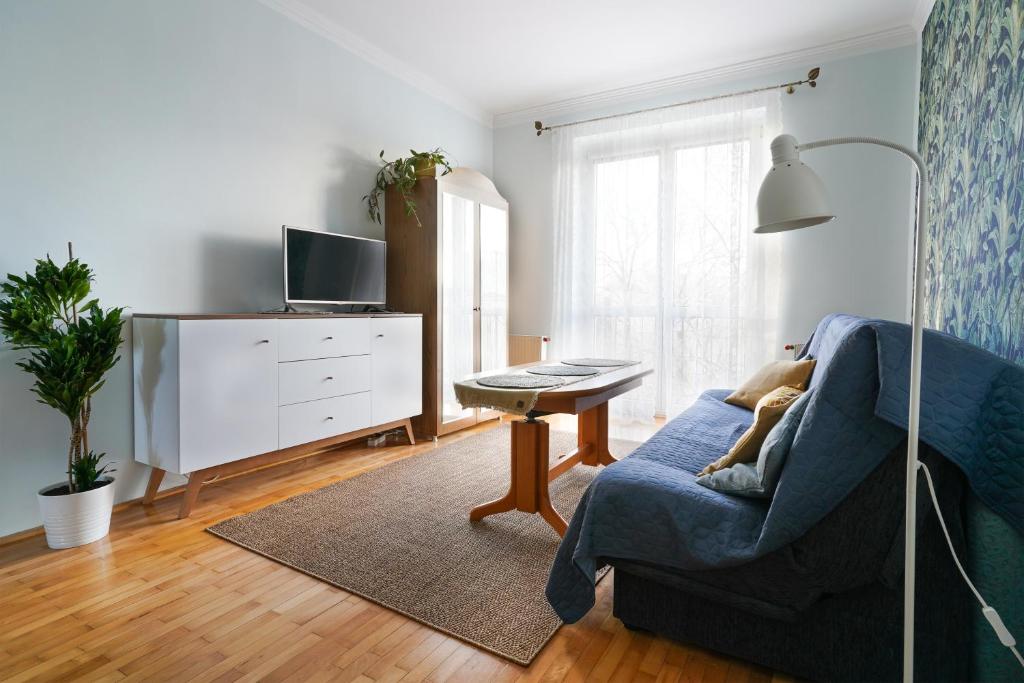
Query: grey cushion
[(758, 480)]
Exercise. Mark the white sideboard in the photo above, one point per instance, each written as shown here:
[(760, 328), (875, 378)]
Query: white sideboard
[(218, 394)]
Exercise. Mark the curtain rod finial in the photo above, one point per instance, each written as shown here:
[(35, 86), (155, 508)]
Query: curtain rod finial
[(539, 127)]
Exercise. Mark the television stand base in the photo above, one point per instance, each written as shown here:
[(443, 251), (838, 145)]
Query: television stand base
[(287, 308)]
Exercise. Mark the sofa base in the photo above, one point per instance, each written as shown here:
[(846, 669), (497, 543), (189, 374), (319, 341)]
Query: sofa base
[(848, 637), (830, 606)]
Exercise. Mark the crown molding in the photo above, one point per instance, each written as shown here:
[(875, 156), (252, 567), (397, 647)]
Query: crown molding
[(314, 21), (807, 57), (309, 18), (922, 10)]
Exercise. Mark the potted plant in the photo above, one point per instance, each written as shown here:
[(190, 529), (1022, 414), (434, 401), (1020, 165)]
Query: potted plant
[(404, 173), (72, 343)]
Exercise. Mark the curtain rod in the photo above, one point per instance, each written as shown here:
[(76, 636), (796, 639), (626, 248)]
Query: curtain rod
[(811, 80)]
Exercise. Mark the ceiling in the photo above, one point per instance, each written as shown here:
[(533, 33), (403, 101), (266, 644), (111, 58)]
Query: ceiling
[(490, 58)]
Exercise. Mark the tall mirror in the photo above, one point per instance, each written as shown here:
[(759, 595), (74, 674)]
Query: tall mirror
[(458, 295), (493, 287)]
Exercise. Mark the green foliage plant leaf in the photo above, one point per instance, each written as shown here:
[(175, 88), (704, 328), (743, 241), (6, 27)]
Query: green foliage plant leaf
[(72, 343), (402, 173)]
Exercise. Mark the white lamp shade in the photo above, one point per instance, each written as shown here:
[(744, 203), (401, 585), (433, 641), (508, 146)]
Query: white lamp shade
[(792, 196)]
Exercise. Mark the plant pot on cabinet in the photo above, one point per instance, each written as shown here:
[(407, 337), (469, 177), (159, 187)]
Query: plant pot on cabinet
[(75, 519), (425, 168)]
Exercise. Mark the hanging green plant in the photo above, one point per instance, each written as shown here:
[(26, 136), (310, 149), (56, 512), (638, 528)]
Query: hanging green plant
[(403, 173)]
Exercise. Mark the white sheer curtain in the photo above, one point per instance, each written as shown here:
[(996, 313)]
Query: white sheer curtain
[(655, 258)]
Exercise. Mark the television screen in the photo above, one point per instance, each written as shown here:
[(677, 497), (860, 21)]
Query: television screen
[(327, 268)]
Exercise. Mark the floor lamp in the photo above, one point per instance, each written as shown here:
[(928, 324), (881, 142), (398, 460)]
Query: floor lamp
[(792, 197)]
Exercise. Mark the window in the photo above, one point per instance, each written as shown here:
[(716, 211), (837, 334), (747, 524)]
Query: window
[(655, 257)]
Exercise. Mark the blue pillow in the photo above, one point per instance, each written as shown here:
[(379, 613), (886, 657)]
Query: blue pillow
[(758, 480)]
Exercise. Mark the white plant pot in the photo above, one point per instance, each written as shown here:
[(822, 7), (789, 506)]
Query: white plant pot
[(76, 519)]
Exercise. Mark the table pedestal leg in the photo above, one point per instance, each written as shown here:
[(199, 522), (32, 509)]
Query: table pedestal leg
[(592, 436), (528, 490)]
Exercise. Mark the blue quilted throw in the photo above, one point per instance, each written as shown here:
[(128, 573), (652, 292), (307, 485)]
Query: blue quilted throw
[(972, 410), (649, 508)]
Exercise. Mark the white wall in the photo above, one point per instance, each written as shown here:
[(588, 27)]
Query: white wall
[(169, 140), (856, 264)]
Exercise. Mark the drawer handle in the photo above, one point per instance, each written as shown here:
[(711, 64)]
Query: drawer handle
[(329, 417), (263, 341), (379, 336), (328, 378), (328, 338)]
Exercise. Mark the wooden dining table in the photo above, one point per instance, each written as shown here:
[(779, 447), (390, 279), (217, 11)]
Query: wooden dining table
[(532, 469)]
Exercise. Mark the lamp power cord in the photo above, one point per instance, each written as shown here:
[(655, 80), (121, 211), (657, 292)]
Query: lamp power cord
[(989, 612)]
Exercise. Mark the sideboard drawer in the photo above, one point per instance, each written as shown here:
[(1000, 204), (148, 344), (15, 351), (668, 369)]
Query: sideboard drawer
[(305, 339), (309, 380), (304, 422)]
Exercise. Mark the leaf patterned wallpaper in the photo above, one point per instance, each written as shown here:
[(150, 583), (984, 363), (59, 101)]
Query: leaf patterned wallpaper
[(972, 134), (971, 130)]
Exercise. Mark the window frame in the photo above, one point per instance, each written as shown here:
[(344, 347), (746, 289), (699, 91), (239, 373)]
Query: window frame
[(607, 147)]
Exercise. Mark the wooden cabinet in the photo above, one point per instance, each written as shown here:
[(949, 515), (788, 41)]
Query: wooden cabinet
[(452, 267)]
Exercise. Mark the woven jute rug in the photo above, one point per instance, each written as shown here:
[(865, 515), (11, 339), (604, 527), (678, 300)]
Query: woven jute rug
[(401, 537)]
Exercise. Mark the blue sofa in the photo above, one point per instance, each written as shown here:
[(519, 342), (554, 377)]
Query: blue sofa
[(809, 582)]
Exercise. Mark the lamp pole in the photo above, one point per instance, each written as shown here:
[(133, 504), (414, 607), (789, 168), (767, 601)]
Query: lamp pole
[(785, 150)]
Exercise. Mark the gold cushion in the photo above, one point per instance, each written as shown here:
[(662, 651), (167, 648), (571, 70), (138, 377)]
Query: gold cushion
[(768, 411), (781, 373)]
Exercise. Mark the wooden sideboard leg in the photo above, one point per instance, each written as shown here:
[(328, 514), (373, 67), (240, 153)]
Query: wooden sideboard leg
[(156, 475), (195, 482), (408, 432)]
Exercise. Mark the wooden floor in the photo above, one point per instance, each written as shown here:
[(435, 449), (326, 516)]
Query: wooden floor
[(160, 599)]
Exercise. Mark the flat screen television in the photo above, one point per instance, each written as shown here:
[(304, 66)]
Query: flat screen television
[(328, 268)]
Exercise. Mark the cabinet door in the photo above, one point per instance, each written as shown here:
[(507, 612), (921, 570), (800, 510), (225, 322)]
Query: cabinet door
[(493, 305), (397, 368), (458, 280), (228, 390)]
